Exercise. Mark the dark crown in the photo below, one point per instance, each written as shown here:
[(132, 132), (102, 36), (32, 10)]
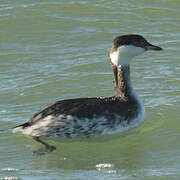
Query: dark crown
[(129, 39)]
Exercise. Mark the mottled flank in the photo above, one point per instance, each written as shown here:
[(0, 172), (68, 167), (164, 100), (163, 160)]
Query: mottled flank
[(69, 126), (84, 117)]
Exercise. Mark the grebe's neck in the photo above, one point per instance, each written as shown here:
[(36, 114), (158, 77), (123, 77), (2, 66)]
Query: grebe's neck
[(122, 82), (120, 59)]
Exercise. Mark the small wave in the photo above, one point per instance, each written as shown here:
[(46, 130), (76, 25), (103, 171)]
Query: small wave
[(9, 169), (10, 178), (104, 166)]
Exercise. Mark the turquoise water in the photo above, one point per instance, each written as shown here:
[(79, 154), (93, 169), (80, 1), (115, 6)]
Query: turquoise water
[(53, 50)]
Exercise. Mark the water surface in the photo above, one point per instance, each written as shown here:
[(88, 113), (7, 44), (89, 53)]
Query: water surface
[(53, 50)]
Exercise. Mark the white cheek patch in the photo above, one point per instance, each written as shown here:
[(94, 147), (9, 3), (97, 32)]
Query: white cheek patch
[(114, 57), (124, 54)]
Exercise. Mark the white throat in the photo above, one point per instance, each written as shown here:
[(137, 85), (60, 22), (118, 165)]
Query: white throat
[(124, 54)]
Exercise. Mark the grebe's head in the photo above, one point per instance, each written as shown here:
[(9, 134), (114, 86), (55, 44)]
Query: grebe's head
[(126, 47)]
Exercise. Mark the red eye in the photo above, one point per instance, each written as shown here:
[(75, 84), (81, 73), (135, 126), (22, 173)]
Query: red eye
[(136, 43)]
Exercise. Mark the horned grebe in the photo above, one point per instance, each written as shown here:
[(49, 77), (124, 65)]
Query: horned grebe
[(84, 117)]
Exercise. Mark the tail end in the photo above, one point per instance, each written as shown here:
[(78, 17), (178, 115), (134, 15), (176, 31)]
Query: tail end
[(20, 128)]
